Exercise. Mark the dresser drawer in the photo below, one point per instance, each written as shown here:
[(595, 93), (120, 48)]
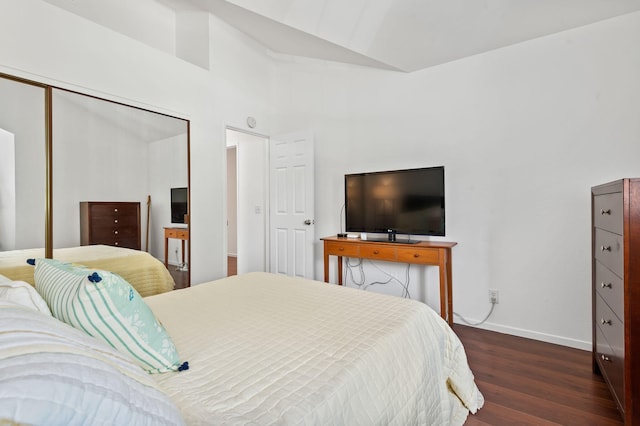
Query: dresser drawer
[(611, 326), (382, 253), (607, 212), (131, 243), (612, 367), (342, 249), (111, 210), (611, 288), (608, 249), (427, 256), (181, 234), (114, 240)]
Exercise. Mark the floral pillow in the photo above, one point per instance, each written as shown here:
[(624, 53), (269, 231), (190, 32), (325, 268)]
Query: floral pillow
[(107, 307)]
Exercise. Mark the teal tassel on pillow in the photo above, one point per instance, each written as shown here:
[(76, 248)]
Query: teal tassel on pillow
[(31, 262), (184, 366)]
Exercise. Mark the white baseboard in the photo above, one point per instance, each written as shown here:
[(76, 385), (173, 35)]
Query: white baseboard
[(535, 335)]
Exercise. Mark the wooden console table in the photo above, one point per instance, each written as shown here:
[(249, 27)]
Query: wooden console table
[(177, 233), (423, 253)]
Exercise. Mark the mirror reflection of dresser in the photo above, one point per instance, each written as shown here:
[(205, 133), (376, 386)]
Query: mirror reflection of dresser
[(110, 223)]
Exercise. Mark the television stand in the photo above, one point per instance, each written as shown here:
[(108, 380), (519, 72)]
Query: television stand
[(418, 252), (179, 234)]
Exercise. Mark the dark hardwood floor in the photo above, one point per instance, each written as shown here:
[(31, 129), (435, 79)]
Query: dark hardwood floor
[(180, 277), (232, 265), (527, 382)]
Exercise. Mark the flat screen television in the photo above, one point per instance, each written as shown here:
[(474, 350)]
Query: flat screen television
[(399, 201), (179, 205)]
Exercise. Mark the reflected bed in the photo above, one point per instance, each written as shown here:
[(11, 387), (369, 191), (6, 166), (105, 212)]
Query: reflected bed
[(145, 273)]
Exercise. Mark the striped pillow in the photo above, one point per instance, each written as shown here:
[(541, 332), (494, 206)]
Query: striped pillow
[(107, 307)]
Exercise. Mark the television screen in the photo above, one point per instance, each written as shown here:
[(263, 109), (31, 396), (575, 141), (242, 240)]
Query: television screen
[(401, 201), (179, 199)]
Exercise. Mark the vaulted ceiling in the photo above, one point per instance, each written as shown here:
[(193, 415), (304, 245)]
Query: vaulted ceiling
[(403, 35)]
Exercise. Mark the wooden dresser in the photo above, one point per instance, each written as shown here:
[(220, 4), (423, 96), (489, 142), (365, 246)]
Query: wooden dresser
[(616, 291), (110, 223)]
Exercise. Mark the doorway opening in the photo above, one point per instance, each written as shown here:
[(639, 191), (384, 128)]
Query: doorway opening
[(232, 209), (247, 202)]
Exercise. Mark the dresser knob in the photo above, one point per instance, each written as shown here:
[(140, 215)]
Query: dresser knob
[(605, 248), (115, 232), (116, 243), (603, 211), (341, 248), (605, 322), (605, 358), (608, 285), (115, 221), (376, 252), (416, 255), (115, 210)]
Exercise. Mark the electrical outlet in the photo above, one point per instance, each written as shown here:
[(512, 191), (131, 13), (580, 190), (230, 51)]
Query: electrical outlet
[(494, 296), (176, 250)]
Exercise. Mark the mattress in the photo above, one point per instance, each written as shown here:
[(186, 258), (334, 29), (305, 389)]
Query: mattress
[(144, 272), (268, 349)]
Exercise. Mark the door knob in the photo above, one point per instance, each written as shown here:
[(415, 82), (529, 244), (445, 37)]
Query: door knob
[(309, 222)]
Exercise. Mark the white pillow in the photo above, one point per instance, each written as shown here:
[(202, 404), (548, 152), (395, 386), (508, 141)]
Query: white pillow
[(23, 294), (3, 278), (51, 373)]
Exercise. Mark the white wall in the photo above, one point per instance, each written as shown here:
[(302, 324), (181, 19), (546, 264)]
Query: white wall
[(523, 133), (29, 153), (145, 20), (57, 47)]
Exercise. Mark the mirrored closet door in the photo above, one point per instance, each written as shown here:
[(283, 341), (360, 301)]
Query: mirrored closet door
[(59, 149)]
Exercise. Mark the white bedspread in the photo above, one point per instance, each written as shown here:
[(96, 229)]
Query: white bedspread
[(268, 349)]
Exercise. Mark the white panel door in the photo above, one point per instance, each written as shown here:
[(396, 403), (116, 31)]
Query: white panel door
[(292, 229)]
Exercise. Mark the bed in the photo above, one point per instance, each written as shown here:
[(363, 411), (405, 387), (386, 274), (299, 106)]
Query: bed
[(266, 349), (147, 274)]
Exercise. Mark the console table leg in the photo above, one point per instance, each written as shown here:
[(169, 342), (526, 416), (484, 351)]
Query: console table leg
[(326, 266), (166, 252), (443, 287), (449, 288)]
